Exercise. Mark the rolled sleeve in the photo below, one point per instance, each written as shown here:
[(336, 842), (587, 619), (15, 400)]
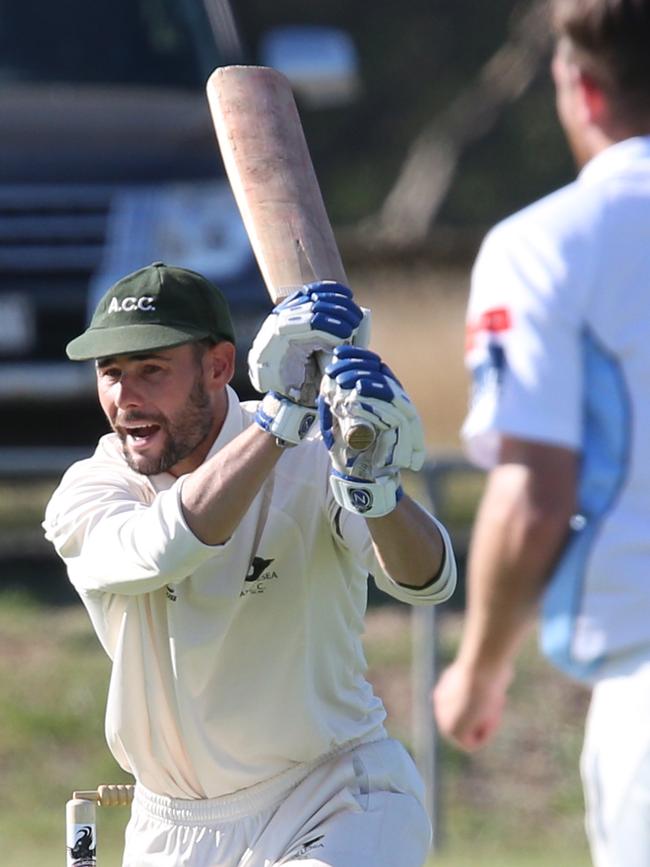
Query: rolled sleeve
[(439, 589), (352, 531)]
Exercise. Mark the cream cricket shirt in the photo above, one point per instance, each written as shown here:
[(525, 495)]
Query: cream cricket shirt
[(232, 664)]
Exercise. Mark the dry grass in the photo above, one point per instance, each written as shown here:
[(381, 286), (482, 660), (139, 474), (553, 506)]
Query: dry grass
[(515, 804), (417, 327), (517, 801)]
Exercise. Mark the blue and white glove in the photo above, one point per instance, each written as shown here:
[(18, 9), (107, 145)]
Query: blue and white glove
[(286, 357), (359, 387)]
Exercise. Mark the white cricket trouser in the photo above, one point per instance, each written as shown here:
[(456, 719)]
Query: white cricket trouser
[(615, 768), (361, 808)]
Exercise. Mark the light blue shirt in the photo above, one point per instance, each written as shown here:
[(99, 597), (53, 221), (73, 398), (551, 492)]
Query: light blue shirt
[(559, 350)]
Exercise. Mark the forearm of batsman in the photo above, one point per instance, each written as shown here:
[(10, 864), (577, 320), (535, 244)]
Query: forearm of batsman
[(409, 545), (520, 530), (217, 495)]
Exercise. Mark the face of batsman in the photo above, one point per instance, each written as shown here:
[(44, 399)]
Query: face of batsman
[(167, 406)]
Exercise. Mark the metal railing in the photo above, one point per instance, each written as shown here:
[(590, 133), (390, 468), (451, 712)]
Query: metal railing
[(437, 474)]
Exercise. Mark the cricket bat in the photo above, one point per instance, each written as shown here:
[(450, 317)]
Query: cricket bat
[(272, 177)]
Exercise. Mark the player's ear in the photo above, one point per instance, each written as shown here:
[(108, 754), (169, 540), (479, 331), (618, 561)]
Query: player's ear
[(594, 102), (219, 364)]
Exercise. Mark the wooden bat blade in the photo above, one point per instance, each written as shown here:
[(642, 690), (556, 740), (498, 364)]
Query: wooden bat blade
[(272, 177)]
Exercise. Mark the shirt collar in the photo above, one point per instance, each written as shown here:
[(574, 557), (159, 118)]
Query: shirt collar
[(232, 424), (616, 158)]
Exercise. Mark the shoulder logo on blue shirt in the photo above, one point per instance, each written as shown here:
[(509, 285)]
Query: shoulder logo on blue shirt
[(488, 374), (485, 352)]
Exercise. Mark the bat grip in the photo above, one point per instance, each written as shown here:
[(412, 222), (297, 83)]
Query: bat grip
[(358, 434)]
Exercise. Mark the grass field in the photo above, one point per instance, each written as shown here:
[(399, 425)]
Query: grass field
[(517, 803)]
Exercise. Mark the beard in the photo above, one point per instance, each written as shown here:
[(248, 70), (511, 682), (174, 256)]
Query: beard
[(183, 433)]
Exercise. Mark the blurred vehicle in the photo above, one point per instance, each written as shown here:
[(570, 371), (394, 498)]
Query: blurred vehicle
[(108, 162)]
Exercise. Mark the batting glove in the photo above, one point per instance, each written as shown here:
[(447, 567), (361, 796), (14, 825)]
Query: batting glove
[(286, 357), (359, 387)]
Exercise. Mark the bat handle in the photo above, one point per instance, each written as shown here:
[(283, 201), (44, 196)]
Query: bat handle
[(358, 435)]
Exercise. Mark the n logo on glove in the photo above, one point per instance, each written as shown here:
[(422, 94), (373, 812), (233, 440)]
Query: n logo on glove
[(361, 499)]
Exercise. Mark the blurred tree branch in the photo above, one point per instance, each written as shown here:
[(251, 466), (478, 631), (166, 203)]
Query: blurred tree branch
[(427, 173)]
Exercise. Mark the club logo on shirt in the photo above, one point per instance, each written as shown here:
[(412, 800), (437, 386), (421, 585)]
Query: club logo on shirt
[(305, 850), (497, 362), (256, 568), (170, 592), (490, 322), (486, 356), (488, 375), (258, 576)]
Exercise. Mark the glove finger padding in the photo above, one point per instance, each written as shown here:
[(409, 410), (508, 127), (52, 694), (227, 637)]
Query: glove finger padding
[(358, 386), (315, 319)]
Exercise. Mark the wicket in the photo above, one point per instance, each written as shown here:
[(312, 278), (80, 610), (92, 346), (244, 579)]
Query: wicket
[(81, 820)]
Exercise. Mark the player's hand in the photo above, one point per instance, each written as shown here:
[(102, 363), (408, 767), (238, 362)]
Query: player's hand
[(468, 707), (293, 344), (358, 386), (316, 318)]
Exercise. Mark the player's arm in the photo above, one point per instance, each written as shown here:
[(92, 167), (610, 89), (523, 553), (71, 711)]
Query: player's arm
[(409, 544), (283, 363), (217, 495), (520, 530)]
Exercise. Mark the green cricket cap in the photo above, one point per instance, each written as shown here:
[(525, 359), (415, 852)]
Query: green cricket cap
[(153, 308)]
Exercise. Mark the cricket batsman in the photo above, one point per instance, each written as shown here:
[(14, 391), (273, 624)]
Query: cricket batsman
[(222, 550)]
